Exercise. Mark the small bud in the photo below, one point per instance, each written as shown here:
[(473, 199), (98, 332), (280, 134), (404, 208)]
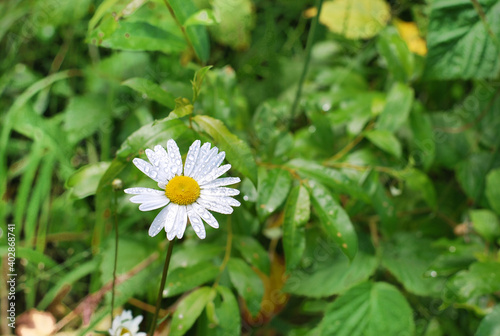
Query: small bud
[(117, 184)]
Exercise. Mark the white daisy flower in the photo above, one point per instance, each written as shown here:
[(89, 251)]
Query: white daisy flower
[(125, 325), (189, 194)]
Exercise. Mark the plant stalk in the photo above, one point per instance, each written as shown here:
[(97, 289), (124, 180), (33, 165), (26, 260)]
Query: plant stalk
[(310, 40), (162, 286)]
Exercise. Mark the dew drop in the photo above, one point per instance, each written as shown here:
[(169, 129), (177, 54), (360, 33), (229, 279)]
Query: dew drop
[(452, 249), (433, 274), (181, 316)]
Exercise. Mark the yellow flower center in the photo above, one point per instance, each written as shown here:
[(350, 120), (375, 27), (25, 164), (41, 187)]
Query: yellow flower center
[(125, 331), (182, 190)]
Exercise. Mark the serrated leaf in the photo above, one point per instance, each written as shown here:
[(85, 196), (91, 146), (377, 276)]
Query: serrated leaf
[(486, 223), (490, 325), (181, 280), (493, 189), (237, 151), (332, 178), (332, 278), (297, 213), (253, 252), (334, 220), (151, 90), (397, 108), (386, 141), (369, 309), (471, 173), (481, 278), (409, 258), (188, 310), (247, 283), (360, 19), (85, 180), (460, 44), (272, 189), (198, 35)]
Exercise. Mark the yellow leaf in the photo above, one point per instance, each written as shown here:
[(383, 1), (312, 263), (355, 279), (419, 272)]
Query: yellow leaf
[(354, 19), (410, 34)]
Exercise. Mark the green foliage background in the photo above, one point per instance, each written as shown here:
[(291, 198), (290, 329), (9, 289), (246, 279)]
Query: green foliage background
[(372, 208)]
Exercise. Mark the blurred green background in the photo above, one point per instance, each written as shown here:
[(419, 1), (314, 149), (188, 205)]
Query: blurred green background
[(367, 144)]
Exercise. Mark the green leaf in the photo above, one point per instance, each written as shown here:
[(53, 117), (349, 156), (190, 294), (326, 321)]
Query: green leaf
[(332, 178), (227, 314), (182, 280), (361, 19), (158, 132), (297, 213), (493, 189), (394, 50), (136, 36), (486, 223), (419, 181), (273, 189), (460, 44), (423, 146), (333, 277), (471, 174), (204, 17), (183, 10), (188, 310), (409, 258), (247, 283), (397, 108), (386, 141), (369, 309), (187, 256), (481, 278), (151, 90), (199, 76), (490, 325), (234, 26), (237, 151), (334, 219), (85, 180), (253, 252)]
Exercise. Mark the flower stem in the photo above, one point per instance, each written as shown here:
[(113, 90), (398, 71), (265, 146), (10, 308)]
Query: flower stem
[(116, 256), (162, 286), (310, 40)]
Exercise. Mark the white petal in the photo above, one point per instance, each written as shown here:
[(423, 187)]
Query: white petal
[(181, 221), (159, 222), (147, 168), (220, 192), (214, 205), (152, 205), (207, 216), (220, 182), (174, 157), (204, 152), (196, 222), (211, 171), (171, 220), (229, 201), (164, 165), (205, 164), (191, 157), (143, 191)]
